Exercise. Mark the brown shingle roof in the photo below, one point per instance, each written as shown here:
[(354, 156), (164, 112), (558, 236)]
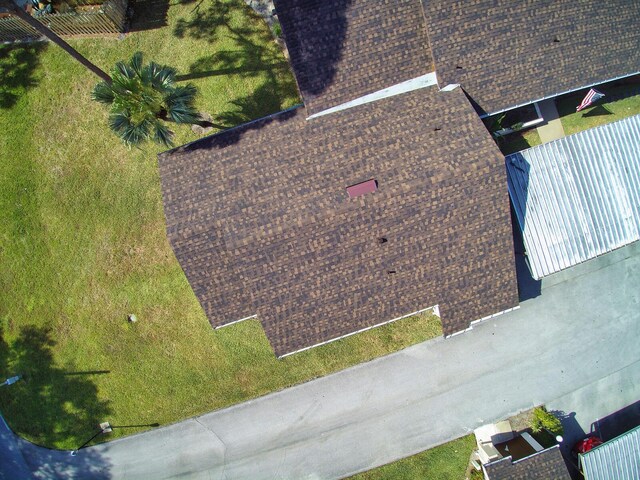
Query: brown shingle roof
[(503, 52), (261, 222), (545, 465), (344, 49)]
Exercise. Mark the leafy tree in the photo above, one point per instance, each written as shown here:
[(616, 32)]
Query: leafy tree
[(144, 97), (543, 420)]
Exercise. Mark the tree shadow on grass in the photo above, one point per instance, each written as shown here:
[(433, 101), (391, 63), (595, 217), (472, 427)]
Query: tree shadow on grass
[(210, 21), (254, 55), (262, 102), (48, 406), (148, 15), (17, 67)]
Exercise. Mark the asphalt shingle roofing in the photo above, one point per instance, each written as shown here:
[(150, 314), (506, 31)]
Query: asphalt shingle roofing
[(260, 218), (261, 222), (505, 53), (545, 465), (343, 49)]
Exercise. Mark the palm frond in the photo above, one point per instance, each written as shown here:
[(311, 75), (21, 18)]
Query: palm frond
[(123, 70), (129, 132), (184, 94), (183, 114), (160, 76), (180, 104), (136, 63), (162, 135), (103, 93)]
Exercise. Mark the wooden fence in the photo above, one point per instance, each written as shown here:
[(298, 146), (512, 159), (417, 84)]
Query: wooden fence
[(107, 18)]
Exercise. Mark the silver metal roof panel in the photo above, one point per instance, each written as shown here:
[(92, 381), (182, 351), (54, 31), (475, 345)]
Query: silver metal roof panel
[(578, 197), (617, 459)]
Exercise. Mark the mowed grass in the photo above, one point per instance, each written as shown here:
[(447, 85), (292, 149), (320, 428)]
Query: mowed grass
[(445, 462), (609, 109), (82, 243), (516, 142)]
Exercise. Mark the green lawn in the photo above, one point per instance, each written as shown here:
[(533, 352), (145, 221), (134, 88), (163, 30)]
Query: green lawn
[(82, 242), (516, 142), (607, 110), (445, 462), (604, 111)]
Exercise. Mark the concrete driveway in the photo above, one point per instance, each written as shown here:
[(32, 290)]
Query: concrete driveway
[(583, 330)]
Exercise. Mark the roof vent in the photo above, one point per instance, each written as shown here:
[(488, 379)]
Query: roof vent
[(382, 240), (458, 67), (556, 39), (391, 272), (436, 129), (361, 188)]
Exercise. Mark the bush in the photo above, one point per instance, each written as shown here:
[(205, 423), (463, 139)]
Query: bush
[(543, 420), (277, 29)]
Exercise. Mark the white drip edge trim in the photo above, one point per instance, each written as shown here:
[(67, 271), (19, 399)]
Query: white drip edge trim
[(435, 310), (483, 319), (236, 321)]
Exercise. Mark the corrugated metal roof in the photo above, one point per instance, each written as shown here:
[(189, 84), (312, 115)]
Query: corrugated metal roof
[(617, 459), (578, 197)]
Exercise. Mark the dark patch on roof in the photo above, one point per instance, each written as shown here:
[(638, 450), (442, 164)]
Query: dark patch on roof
[(260, 220), (506, 53), (341, 50), (545, 465)]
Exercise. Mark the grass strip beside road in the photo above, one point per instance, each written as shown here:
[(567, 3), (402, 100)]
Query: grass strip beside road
[(444, 462)]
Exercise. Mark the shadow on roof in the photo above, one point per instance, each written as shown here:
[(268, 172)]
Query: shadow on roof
[(232, 136), (316, 45)]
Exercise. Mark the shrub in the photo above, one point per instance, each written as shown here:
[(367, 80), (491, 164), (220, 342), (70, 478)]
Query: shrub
[(543, 420), (277, 29)]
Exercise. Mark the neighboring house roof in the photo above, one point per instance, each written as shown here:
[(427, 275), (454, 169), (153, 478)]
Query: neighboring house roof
[(545, 465), (343, 49), (507, 53), (616, 459), (260, 219), (578, 197)]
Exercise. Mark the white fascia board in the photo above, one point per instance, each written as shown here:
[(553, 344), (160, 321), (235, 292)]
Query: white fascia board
[(414, 84)]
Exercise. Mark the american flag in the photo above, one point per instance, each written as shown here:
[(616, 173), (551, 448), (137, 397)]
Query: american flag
[(592, 96)]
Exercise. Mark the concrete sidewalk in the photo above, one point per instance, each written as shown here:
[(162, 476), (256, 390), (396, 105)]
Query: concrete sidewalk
[(552, 128), (581, 330)]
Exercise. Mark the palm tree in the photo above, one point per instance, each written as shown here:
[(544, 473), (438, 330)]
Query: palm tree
[(142, 98), (24, 16)]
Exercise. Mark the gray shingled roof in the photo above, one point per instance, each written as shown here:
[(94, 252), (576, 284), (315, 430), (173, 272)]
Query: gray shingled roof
[(505, 53), (260, 220), (545, 465), (344, 49)]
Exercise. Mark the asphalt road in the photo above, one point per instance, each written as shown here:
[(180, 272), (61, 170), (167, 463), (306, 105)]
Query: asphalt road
[(583, 330)]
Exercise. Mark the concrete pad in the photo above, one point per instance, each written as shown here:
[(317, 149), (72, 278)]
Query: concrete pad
[(552, 128)]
